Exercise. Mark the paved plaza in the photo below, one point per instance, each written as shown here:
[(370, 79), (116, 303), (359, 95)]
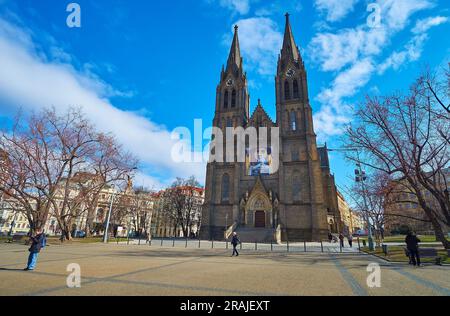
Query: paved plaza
[(120, 269)]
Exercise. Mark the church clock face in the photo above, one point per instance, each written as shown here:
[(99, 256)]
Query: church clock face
[(230, 82), (290, 72)]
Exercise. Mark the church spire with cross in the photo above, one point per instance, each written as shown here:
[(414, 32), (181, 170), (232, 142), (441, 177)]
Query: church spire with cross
[(290, 51), (234, 59)]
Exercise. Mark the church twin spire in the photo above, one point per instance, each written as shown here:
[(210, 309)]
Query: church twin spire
[(289, 52)]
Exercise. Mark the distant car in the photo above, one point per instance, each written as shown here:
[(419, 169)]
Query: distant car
[(79, 234)]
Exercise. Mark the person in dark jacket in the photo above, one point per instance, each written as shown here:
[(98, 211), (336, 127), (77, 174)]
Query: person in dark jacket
[(235, 241), (341, 239), (412, 244), (350, 240), (35, 249)]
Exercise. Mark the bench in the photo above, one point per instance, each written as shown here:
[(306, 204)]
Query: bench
[(431, 253)]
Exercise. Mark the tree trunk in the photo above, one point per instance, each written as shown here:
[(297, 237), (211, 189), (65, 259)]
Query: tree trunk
[(91, 216), (440, 236)]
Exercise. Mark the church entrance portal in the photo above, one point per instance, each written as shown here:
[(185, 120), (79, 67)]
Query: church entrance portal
[(260, 219)]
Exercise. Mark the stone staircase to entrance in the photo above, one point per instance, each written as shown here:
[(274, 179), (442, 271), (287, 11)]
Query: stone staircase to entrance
[(256, 234)]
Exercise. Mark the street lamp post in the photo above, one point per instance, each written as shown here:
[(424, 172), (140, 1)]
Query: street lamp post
[(105, 235), (361, 180)]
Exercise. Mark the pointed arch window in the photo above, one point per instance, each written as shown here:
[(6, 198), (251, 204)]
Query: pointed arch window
[(293, 121), (225, 101), (296, 94), (225, 187), (233, 99), (296, 186), (287, 91)]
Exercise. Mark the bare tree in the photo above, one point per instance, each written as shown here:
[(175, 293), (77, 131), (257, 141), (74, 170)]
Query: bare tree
[(375, 192), (406, 138), (139, 207), (49, 157), (180, 204)]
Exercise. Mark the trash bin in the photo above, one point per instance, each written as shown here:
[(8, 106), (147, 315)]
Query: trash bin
[(364, 243), (385, 249)]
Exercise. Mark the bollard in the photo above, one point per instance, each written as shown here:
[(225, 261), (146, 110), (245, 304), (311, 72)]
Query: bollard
[(150, 242), (304, 246), (340, 245), (256, 245), (117, 240), (227, 243), (186, 243), (162, 239), (199, 243), (139, 243), (321, 245), (241, 246), (359, 245), (271, 246), (212, 244), (173, 244), (287, 246)]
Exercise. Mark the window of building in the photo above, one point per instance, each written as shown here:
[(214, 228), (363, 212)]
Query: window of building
[(233, 99), (225, 187), (225, 100), (296, 187), (295, 155), (296, 94), (287, 91), (293, 121)]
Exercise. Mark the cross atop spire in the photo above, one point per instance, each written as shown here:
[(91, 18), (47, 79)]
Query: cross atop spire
[(234, 59), (290, 49)]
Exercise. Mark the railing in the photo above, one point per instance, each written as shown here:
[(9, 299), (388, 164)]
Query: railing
[(292, 247)]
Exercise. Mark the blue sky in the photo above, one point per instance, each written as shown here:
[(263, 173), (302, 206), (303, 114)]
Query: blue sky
[(142, 68)]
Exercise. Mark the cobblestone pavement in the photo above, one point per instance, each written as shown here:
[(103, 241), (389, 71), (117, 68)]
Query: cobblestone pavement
[(149, 270)]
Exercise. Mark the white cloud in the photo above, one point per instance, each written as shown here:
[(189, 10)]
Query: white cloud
[(412, 52), (336, 51), (238, 6), (29, 80), (396, 13), (334, 113), (336, 10), (352, 53), (347, 83), (424, 25), (260, 43)]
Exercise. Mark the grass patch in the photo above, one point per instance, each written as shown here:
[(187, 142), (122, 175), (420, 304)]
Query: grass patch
[(401, 238), (397, 254)]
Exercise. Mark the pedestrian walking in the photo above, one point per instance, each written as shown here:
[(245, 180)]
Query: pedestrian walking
[(235, 241), (350, 240), (38, 242), (412, 244), (341, 239)]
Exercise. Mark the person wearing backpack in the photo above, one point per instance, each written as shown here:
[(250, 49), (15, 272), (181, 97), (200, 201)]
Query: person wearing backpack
[(38, 242)]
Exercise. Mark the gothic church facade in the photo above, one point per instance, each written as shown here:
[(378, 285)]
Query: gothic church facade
[(297, 202)]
